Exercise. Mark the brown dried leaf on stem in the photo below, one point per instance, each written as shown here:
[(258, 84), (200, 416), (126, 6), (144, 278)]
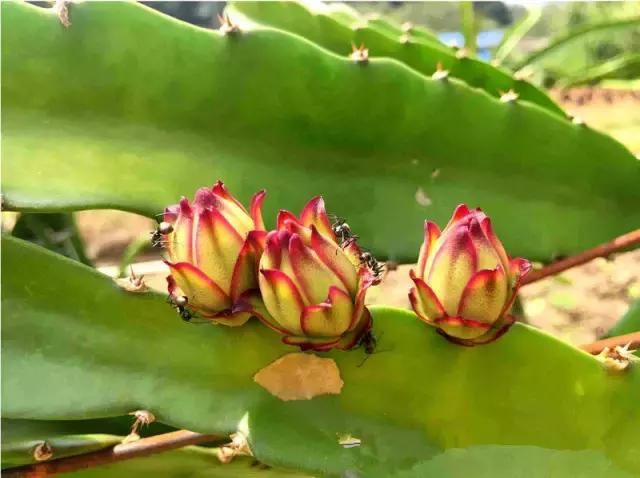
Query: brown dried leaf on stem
[(300, 376)]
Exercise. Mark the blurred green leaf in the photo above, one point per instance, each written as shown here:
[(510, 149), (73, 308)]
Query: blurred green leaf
[(628, 323), (55, 231), (517, 32), (603, 70), (609, 27), (76, 346)]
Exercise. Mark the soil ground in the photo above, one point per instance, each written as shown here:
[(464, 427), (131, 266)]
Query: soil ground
[(578, 305)]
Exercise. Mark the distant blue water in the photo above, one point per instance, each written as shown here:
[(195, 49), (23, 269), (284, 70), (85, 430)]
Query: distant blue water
[(486, 40)]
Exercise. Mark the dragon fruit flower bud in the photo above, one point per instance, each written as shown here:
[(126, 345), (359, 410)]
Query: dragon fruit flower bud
[(314, 214), (465, 283), (213, 251), (312, 293)]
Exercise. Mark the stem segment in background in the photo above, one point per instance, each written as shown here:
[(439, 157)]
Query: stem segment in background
[(603, 250), (124, 451)]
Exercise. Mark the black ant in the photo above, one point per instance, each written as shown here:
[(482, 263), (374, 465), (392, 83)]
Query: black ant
[(372, 263), (180, 303), (343, 232), (163, 229), (369, 342)]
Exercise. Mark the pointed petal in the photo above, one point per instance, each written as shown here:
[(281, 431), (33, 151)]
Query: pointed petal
[(334, 258), (285, 217), (202, 293), (216, 247), (365, 280), (329, 319), (258, 240), (314, 213), (312, 276), (220, 190), (488, 257), (171, 213), (272, 255), (453, 264), (179, 244), (460, 212), (491, 335), (465, 329), (231, 319), (256, 209), (424, 301), (251, 302), (496, 332), (172, 287), (518, 268), (497, 245), (295, 227), (233, 211), (307, 343), (485, 296), (245, 272), (282, 299), (431, 235)]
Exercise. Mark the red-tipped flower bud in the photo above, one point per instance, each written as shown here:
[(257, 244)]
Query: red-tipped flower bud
[(213, 252), (465, 283), (312, 292)]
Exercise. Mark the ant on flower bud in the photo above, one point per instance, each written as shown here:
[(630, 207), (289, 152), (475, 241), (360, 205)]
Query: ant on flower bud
[(180, 303), (343, 232), (163, 229), (372, 263)]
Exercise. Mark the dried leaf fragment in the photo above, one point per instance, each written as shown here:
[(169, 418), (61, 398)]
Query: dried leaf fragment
[(239, 446), (300, 376)]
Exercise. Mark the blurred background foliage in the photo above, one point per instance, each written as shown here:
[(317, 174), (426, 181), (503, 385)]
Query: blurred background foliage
[(570, 64)]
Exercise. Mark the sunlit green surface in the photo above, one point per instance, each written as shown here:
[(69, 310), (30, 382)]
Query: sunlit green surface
[(75, 347), (130, 109)]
